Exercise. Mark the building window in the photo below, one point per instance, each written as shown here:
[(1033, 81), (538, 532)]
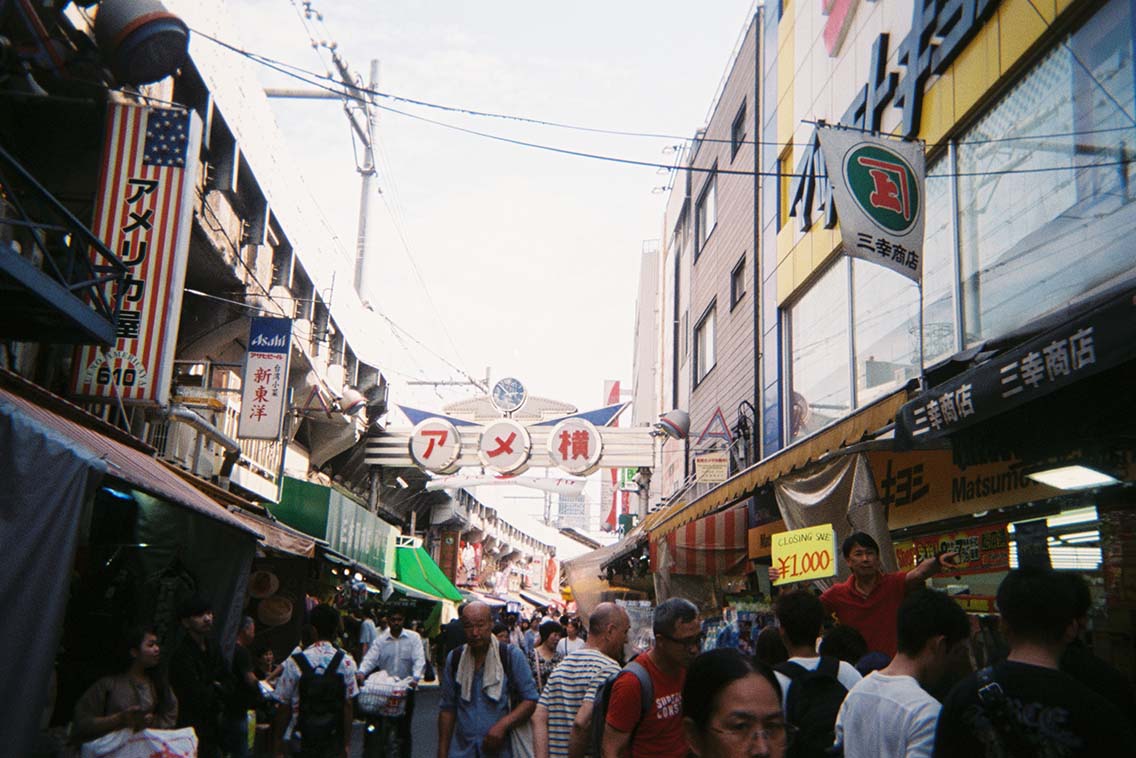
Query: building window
[(737, 283), (885, 330), (940, 322), (784, 186), (704, 356), (706, 212), (820, 354), (1030, 242), (738, 131)]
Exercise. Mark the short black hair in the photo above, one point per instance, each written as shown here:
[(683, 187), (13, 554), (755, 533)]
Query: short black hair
[(670, 613), (926, 613), (769, 648), (548, 628), (844, 642), (711, 673), (499, 627), (325, 620), (1036, 604), (800, 615), (1082, 595), (862, 539), (194, 605)]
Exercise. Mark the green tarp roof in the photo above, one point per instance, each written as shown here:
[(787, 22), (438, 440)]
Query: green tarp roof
[(417, 569)]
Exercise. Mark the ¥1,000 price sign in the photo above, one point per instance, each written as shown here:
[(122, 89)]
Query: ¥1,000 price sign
[(801, 554)]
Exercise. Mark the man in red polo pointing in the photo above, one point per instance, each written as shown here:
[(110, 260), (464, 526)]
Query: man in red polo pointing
[(869, 599)]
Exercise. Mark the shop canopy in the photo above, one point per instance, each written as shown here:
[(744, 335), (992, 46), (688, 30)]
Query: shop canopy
[(540, 600), (714, 545), (415, 568)]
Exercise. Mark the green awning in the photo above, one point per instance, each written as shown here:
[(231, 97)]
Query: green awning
[(417, 569)]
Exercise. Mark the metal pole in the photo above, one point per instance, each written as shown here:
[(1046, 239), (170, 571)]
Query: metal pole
[(367, 185)]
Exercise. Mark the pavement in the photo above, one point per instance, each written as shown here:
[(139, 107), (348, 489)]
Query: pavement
[(424, 730)]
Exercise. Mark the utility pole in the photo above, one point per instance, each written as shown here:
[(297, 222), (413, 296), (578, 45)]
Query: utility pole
[(357, 104)]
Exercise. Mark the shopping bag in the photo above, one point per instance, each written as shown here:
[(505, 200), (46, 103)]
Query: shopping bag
[(168, 743)]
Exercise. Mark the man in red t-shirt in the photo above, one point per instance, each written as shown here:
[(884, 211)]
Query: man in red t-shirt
[(657, 733), (869, 599)]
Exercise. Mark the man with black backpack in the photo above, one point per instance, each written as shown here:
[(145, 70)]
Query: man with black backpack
[(315, 691), (812, 686)]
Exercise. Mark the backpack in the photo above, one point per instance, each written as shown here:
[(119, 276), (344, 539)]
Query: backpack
[(320, 720), (812, 705), (603, 699)]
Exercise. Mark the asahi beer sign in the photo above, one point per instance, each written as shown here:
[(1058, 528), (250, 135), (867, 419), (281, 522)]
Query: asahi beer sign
[(877, 185), (265, 386)]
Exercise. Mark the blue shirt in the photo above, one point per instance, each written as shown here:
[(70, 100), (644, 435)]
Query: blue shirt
[(474, 718)]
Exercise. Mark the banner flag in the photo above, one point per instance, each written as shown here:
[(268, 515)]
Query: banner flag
[(264, 388), (143, 212), (877, 185)]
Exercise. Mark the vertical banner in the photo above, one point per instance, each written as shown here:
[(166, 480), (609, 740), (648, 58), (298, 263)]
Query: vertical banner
[(265, 384), (609, 484), (449, 555), (877, 184), (143, 213)]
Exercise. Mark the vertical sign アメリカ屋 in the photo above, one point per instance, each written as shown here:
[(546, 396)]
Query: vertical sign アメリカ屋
[(143, 213)]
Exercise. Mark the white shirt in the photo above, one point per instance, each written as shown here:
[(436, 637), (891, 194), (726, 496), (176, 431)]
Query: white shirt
[(400, 656), (846, 675), (566, 646), (887, 715)]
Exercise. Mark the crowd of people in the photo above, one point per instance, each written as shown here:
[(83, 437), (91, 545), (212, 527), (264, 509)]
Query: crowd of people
[(894, 677)]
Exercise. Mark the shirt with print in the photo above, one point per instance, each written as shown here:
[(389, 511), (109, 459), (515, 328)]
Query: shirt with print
[(570, 685), (473, 718), (319, 656), (1045, 714), (872, 615), (659, 734)]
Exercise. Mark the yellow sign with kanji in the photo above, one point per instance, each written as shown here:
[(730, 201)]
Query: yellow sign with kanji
[(802, 554)]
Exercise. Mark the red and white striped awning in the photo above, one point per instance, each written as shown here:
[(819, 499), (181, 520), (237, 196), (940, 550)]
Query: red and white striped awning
[(711, 546)]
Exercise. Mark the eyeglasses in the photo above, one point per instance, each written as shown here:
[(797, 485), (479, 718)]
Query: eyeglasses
[(694, 641), (774, 733)]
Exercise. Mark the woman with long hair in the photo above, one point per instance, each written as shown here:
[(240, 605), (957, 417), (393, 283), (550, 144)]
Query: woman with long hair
[(731, 708), (545, 656), (137, 698)]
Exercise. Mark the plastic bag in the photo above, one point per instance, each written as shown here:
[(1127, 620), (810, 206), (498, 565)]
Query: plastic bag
[(169, 743), (383, 695)]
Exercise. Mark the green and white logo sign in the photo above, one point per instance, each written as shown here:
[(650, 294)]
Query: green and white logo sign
[(877, 187), (884, 186)]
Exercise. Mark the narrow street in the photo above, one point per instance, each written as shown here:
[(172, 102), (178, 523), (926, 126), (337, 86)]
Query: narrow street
[(425, 725)]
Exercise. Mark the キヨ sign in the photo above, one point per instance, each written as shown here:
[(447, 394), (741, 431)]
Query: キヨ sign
[(264, 388), (803, 554)]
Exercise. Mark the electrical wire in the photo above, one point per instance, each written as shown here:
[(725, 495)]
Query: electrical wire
[(620, 160)]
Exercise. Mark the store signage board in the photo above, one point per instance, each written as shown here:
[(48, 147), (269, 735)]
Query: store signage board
[(435, 445), (760, 538), (264, 387), (505, 446), (877, 184), (575, 446), (143, 212), (1100, 339), (921, 486), (980, 550), (803, 554), (712, 468)]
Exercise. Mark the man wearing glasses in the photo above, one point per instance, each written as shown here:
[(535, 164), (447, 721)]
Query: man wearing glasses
[(655, 732)]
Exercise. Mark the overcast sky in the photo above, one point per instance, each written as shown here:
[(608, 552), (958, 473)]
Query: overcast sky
[(514, 258)]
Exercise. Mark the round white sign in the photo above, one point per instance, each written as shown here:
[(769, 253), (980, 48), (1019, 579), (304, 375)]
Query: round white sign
[(505, 446), (435, 445), (575, 446)]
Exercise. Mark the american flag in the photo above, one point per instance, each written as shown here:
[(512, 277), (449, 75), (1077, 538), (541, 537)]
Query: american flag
[(142, 214)]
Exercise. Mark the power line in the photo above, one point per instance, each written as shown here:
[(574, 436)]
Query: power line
[(629, 161)]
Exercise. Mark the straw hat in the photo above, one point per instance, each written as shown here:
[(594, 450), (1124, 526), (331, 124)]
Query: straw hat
[(274, 611), (262, 584)]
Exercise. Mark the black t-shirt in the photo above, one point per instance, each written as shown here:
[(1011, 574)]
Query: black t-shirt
[(244, 697), (1079, 662), (1046, 714)]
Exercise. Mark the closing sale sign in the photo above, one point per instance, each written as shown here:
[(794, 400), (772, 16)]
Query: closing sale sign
[(808, 553)]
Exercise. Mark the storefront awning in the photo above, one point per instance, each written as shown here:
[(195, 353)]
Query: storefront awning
[(492, 602), (124, 461), (1100, 338), (848, 431), (278, 537), (540, 600), (415, 568), (713, 545)]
